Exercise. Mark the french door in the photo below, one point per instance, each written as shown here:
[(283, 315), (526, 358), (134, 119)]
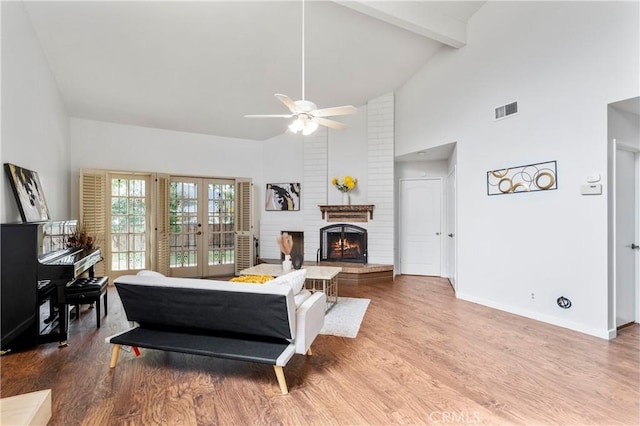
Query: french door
[(201, 227)]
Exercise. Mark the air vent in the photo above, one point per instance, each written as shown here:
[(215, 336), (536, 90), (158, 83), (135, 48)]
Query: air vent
[(506, 110)]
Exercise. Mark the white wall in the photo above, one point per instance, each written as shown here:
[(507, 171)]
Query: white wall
[(100, 145), (624, 127), (326, 154), (347, 155), (283, 163), (35, 124), (420, 169), (563, 62), (363, 150)]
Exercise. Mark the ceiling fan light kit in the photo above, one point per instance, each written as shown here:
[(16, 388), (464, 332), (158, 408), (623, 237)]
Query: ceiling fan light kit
[(307, 115), (304, 124)]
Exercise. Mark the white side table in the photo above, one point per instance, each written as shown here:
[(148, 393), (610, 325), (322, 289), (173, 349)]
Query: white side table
[(273, 269), (319, 278), (325, 279)]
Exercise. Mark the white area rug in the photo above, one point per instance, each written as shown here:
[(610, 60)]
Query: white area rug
[(344, 319)]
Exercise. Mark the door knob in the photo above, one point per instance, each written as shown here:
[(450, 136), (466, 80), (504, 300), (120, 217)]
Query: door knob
[(450, 235), (635, 246), (437, 233), (199, 233)]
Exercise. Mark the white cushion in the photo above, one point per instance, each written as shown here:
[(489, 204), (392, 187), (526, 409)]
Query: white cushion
[(294, 279), (301, 297), (146, 273)]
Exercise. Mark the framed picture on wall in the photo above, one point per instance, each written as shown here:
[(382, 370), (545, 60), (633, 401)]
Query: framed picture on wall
[(282, 197), (27, 189)]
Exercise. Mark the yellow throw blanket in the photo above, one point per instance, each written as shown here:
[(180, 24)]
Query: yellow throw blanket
[(252, 279)]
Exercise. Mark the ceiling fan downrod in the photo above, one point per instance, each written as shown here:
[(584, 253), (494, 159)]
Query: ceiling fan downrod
[(307, 115), (303, 50)]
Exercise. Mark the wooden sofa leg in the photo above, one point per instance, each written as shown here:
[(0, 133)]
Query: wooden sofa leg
[(309, 351), (281, 380), (114, 355)]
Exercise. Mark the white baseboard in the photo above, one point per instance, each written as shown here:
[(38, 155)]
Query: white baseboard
[(603, 334)]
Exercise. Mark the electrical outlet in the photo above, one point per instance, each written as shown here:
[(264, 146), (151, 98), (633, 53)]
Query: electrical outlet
[(533, 297)]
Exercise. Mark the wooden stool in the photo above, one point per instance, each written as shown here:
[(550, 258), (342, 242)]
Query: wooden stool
[(87, 291)]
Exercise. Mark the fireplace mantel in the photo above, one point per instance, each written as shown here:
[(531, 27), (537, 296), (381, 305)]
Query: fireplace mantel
[(355, 213)]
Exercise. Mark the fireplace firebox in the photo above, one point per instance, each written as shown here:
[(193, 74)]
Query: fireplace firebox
[(343, 243)]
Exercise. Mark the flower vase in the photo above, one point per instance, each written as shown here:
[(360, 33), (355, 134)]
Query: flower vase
[(286, 263), (346, 199)]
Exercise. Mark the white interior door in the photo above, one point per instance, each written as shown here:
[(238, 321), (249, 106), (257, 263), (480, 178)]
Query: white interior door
[(420, 226), (626, 238)]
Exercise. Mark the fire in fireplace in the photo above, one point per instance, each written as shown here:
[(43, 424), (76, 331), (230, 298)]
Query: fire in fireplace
[(343, 243)]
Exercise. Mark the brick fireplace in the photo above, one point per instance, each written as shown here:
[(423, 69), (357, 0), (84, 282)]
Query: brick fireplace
[(343, 243)]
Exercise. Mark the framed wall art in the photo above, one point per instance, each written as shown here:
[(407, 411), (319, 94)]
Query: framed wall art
[(282, 197), (528, 178), (28, 191)]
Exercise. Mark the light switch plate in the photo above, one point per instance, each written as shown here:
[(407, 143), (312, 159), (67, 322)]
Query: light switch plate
[(593, 189)]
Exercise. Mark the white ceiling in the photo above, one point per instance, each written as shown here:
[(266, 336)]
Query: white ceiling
[(201, 66)]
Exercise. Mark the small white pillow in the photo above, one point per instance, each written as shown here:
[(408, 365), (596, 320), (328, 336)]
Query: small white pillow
[(301, 297), (150, 273), (293, 279)]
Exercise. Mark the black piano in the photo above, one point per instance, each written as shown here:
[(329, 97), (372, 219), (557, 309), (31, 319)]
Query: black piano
[(37, 268)]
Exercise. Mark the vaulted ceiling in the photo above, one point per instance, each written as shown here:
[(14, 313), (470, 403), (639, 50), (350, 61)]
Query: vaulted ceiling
[(201, 66)]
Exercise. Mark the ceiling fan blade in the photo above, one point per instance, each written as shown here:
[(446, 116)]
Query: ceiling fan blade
[(341, 110), (330, 123), (268, 115), (288, 102)]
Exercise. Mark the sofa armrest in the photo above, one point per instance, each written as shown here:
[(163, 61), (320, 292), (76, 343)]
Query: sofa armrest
[(309, 321)]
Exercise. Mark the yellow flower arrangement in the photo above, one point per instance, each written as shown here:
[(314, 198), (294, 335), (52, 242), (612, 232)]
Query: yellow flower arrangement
[(346, 185)]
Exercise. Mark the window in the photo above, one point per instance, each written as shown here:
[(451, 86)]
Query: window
[(129, 223), (173, 225)]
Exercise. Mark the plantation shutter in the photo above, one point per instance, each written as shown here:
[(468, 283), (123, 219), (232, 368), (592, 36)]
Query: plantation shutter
[(92, 212), (244, 225), (162, 224)]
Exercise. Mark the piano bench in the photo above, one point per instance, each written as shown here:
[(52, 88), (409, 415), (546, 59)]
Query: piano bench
[(87, 291)]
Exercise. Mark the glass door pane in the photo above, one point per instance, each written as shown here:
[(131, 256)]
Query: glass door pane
[(185, 229), (220, 250), (201, 227)]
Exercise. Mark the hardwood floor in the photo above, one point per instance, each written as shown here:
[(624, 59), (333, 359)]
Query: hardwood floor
[(421, 357)]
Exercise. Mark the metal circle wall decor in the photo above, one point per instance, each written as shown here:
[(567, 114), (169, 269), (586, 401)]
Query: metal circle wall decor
[(507, 188), (549, 175), (527, 178), (500, 174), (523, 187)]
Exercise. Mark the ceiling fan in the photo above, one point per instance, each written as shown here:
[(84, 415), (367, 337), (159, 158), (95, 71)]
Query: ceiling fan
[(307, 115)]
